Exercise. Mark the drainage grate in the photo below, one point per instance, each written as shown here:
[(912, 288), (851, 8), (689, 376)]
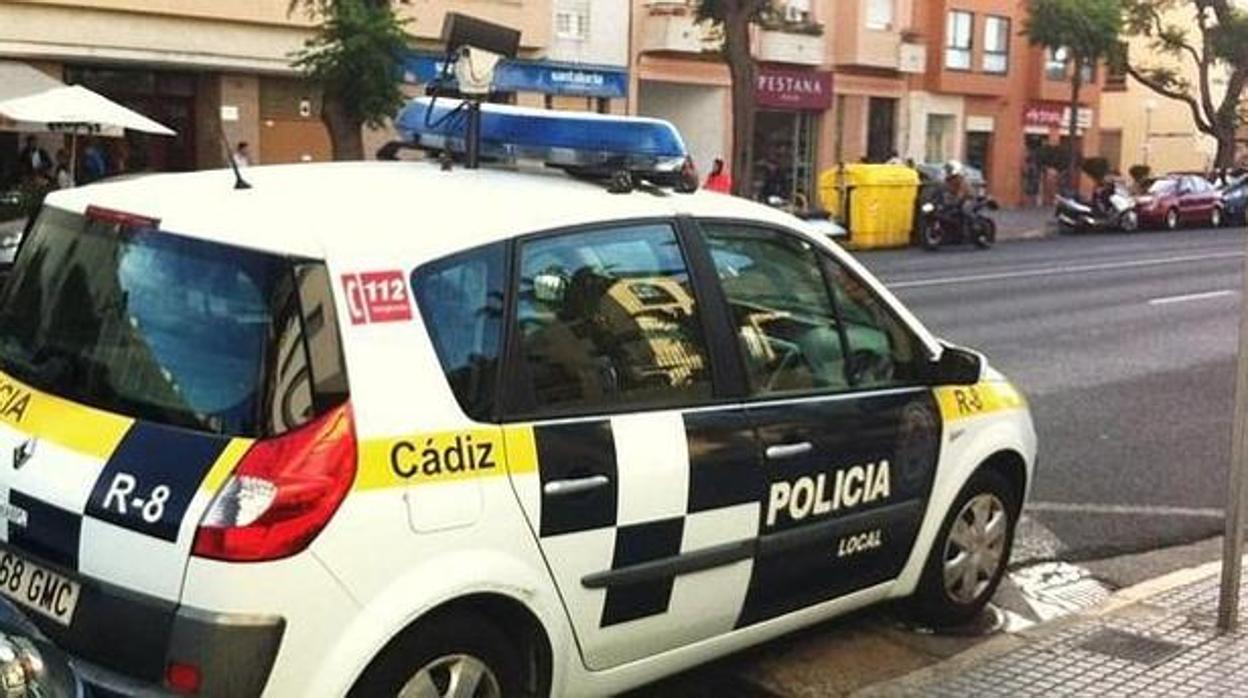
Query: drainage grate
[(1131, 647)]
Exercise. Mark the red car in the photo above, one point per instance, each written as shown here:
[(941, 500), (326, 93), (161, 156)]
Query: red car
[(1177, 200)]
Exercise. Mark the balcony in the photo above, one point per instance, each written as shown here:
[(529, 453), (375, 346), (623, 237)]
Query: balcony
[(802, 45), (912, 57), (671, 26)]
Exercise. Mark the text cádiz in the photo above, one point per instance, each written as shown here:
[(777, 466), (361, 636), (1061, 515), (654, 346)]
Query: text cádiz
[(821, 494)]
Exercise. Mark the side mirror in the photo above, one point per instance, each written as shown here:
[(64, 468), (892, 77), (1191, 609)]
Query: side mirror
[(956, 366)]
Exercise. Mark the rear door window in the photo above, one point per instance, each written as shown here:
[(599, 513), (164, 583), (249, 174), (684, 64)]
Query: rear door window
[(172, 329)]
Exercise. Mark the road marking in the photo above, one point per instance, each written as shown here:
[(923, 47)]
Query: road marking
[(1054, 271), (1166, 300), (1123, 509)]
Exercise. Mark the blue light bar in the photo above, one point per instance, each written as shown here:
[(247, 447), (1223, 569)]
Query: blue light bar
[(576, 140)]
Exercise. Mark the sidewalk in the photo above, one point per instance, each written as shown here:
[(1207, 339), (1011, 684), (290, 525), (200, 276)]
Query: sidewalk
[(1024, 223), (1154, 639)]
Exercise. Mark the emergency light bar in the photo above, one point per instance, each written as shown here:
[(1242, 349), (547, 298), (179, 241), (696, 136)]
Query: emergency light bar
[(583, 143)]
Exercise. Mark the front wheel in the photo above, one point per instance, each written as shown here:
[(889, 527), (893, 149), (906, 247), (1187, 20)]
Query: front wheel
[(1215, 218), (1172, 219), (970, 553), (1130, 222), (453, 654), (931, 235)]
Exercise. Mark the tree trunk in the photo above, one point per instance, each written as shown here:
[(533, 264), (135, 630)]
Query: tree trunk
[(1072, 160), (344, 130), (1225, 158), (741, 68)]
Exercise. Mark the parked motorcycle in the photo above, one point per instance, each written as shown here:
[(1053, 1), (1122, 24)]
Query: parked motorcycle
[(1117, 211), (953, 223)]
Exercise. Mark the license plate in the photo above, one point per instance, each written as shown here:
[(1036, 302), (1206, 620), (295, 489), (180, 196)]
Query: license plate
[(38, 588)]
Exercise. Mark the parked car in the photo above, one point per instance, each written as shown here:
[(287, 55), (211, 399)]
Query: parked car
[(1235, 200), (1177, 200)]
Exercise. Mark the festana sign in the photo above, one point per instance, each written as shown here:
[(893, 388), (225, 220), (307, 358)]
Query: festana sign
[(1054, 115), (793, 89)]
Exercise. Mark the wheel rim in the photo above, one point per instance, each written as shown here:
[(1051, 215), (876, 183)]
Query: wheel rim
[(1172, 219), (453, 676), (975, 548), (1215, 218)]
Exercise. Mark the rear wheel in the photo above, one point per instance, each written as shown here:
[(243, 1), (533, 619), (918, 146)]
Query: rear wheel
[(985, 233), (457, 654), (969, 556), (1172, 219)]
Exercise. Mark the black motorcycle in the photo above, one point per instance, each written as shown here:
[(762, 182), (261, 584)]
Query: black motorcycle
[(946, 222)]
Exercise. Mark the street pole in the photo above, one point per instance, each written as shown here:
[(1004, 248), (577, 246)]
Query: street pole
[(1233, 541)]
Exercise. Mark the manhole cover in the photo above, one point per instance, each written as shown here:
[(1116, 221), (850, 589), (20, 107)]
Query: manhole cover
[(1131, 647)]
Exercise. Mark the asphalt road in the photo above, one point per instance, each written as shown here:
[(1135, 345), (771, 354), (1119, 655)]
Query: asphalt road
[(1125, 347)]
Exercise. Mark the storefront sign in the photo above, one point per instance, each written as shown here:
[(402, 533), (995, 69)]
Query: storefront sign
[(1054, 115), (793, 89), (546, 77)]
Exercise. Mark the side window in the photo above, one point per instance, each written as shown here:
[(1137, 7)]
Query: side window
[(883, 352), (461, 301), (785, 319), (608, 319)]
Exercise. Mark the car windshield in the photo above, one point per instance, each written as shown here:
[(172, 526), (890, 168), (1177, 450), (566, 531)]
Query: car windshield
[(156, 326), (1162, 186)]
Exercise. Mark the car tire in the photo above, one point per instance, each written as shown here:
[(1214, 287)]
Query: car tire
[(982, 545), (438, 651), (1172, 219), (1215, 218)]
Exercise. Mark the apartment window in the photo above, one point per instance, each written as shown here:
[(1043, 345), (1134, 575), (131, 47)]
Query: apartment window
[(1116, 70), (958, 40), (996, 45), (1055, 63), (572, 24), (880, 14)]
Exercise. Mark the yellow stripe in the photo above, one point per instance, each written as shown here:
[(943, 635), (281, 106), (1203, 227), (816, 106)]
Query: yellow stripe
[(445, 456), (961, 402), (46, 417), (221, 469)]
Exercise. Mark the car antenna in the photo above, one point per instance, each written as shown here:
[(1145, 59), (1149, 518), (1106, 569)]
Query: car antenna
[(239, 182)]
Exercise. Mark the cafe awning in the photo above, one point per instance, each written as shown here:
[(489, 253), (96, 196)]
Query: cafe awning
[(32, 101)]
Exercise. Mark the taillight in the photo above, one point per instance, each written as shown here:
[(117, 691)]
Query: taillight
[(283, 492)]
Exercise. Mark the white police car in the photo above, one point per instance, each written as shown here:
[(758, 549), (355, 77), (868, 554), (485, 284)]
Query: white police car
[(383, 428)]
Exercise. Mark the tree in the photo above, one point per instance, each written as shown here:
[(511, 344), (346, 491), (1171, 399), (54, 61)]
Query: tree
[(1087, 30), (355, 56), (735, 17), (1213, 43)]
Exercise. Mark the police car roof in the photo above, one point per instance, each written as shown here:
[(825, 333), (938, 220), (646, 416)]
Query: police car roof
[(366, 209)]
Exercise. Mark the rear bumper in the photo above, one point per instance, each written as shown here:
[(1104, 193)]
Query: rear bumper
[(122, 641)]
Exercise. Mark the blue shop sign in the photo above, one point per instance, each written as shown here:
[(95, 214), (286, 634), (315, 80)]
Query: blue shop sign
[(547, 77)]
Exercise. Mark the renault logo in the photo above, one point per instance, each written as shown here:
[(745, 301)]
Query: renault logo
[(23, 453)]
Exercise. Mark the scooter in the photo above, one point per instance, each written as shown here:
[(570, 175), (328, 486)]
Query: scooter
[(942, 223), (1119, 213)]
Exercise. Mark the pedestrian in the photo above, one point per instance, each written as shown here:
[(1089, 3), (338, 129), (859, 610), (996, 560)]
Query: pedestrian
[(94, 164), (33, 161), (719, 180), (242, 155), (64, 178)]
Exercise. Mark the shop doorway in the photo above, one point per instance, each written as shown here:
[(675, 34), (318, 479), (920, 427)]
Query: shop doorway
[(784, 157), (978, 147), (881, 128), (167, 97)]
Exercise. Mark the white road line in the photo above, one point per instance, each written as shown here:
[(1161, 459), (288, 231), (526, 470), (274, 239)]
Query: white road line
[(1123, 509), (1054, 271), (1166, 300)]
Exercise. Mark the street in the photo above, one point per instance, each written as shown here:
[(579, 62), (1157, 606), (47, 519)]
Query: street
[(1124, 345)]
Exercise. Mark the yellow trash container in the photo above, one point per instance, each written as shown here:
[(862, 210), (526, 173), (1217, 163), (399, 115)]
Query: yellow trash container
[(880, 200)]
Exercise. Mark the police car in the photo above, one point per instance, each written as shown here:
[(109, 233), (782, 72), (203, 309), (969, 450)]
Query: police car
[(395, 428)]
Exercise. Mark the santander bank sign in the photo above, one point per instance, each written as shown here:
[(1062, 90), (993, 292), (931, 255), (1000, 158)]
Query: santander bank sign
[(793, 89)]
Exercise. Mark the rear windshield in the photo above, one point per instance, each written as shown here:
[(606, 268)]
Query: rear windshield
[(172, 329)]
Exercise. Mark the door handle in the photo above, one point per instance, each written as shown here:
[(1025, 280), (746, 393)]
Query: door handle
[(558, 488), (782, 451)]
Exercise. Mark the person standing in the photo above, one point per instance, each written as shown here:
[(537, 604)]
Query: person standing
[(242, 155), (719, 180), (33, 161), (64, 179)]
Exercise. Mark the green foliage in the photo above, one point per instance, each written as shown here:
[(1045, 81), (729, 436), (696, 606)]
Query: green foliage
[(1097, 168), (1089, 29), (356, 56), (718, 11)]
